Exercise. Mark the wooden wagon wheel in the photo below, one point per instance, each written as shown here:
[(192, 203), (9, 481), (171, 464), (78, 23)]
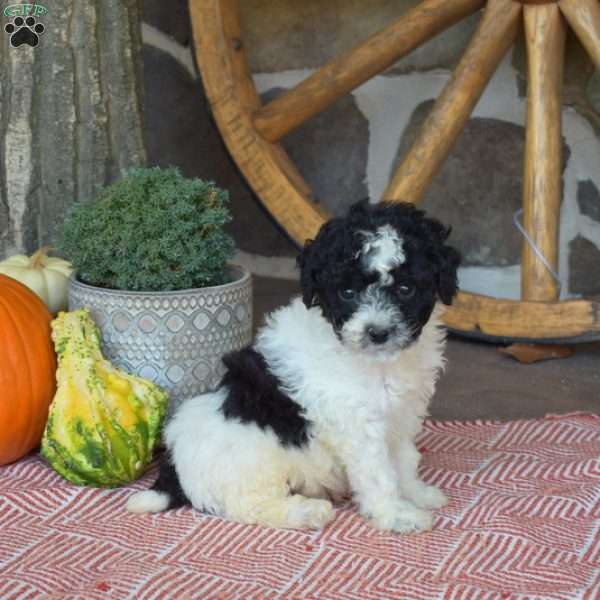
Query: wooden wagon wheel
[(251, 132)]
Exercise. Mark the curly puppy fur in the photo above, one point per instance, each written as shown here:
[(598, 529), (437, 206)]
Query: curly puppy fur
[(328, 400)]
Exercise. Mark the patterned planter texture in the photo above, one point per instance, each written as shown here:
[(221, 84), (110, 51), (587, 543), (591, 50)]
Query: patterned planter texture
[(175, 339)]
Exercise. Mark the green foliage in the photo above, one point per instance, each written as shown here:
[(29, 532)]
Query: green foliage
[(153, 230)]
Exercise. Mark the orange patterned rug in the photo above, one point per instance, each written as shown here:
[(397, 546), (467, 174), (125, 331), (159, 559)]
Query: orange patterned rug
[(523, 522)]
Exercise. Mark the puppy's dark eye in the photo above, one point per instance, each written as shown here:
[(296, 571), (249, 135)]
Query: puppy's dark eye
[(347, 294), (405, 290)]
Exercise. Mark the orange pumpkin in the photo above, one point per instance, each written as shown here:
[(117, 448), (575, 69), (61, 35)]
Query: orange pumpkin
[(27, 369)]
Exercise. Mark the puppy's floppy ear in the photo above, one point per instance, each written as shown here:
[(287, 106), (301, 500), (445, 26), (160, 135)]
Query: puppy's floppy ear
[(321, 258), (447, 275), (308, 273), (445, 259)]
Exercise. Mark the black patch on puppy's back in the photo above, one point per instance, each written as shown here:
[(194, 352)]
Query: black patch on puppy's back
[(255, 396)]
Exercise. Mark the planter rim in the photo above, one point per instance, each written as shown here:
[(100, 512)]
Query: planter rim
[(241, 274)]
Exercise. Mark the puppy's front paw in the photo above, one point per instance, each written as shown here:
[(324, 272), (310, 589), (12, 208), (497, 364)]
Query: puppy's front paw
[(310, 513), (403, 517), (425, 496)]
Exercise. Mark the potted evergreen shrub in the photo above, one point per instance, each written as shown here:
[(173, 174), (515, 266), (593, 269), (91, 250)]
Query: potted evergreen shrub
[(151, 263)]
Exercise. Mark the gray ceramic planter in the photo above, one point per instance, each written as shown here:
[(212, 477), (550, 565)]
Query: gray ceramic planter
[(176, 339)]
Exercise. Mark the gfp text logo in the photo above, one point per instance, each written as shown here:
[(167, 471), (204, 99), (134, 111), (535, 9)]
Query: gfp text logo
[(24, 10)]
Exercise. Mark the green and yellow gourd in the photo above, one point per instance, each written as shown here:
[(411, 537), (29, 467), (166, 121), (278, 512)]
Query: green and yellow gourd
[(103, 423)]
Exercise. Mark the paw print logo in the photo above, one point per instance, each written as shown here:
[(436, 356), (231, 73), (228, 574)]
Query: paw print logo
[(24, 31)]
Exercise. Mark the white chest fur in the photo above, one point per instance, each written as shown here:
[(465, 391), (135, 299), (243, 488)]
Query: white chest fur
[(340, 388)]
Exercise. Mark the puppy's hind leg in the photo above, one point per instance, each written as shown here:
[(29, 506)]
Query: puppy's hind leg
[(165, 493), (287, 512)]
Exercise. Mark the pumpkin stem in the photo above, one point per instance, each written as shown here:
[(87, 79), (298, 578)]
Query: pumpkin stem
[(38, 257)]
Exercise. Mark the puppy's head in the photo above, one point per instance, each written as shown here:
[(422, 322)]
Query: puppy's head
[(377, 274)]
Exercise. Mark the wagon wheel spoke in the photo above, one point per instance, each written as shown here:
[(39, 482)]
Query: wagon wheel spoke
[(495, 34), (545, 40), (584, 17), (353, 68)]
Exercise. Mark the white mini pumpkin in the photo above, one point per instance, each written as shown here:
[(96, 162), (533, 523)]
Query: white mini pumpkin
[(45, 275)]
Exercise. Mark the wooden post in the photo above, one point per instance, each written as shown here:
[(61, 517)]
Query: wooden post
[(71, 119), (348, 71), (545, 39), (584, 17), (496, 33)]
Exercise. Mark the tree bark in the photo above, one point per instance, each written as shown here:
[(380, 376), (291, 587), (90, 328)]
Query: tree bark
[(71, 118)]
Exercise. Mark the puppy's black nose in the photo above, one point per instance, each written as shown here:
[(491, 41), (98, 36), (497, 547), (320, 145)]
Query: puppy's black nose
[(378, 336)]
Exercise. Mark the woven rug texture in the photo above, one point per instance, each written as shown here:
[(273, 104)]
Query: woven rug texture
[(523, 522)]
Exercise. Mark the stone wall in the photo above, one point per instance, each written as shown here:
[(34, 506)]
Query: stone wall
[(349, 151)]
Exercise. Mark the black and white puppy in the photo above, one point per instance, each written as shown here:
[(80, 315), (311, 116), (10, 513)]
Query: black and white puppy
[(329, 399)]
